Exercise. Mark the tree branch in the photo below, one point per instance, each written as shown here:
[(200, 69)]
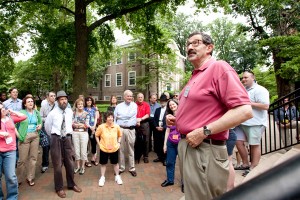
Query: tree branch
[(122, 12), (88, 2), (24, 1), (257, 27)]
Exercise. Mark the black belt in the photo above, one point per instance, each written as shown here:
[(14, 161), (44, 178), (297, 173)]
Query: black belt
[(144, 121), (67, 135), (128, 127), (212, 141)]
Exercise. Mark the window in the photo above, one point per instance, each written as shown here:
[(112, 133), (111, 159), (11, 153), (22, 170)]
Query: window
[(119, 59), (106, 98), (119, 98), (131, 78), (131, 56), (107, 80), (118, 79)]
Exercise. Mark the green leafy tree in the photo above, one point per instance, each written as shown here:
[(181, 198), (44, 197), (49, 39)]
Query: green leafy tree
[(273, 19), (180, 27), (130, 15), (232, 45), (7, 48)]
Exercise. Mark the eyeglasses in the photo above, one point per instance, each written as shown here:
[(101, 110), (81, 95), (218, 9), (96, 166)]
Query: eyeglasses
[(194, 43)]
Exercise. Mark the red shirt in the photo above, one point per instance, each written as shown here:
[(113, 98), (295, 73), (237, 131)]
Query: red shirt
[(212, 90), (142, 109)]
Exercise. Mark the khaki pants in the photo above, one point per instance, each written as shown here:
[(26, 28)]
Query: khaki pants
[(28, 152), (204, 170), (127, 145), (80, 142)]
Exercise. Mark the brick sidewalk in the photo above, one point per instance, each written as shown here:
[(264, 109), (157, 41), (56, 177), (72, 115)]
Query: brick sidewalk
[(145, 186)]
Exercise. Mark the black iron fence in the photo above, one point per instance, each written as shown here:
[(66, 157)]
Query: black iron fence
[(284, 124)]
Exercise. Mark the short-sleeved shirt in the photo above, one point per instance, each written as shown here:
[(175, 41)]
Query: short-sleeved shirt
[(143, 109), (108, 137), (125, 114), (15, 105), (92, 111), (258, 94), (212, 90)]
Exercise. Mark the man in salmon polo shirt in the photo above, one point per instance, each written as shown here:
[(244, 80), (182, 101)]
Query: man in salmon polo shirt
[(212, 102)]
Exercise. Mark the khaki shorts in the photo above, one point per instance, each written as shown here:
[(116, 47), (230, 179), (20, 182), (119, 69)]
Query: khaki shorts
[(253, 133)]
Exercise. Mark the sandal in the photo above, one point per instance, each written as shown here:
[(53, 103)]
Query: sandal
[(30, 183), (94, 162), (87, 164), (246, 173), (241, 167)]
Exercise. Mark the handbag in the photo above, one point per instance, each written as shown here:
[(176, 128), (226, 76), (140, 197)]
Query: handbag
[(44, 139)]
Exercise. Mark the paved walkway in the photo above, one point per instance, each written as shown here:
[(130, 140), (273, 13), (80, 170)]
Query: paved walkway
[(145, 186)]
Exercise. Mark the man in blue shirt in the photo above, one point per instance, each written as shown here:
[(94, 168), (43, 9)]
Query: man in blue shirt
[(125, 116), (13, 102)]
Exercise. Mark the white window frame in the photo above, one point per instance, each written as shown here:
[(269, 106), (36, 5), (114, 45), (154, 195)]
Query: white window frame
[(119, 98), (129, 78), (106, 98), (105, 80), (117, 79), (134, 59)]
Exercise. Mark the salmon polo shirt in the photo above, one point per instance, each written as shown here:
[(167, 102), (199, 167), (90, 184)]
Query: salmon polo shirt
[(211, 91)]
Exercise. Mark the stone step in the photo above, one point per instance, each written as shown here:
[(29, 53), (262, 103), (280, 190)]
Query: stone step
[(289, 154), (264, 165), (268, 162)]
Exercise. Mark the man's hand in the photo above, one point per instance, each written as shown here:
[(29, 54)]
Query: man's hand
[(171, 120), (195, 137), (159, 128)]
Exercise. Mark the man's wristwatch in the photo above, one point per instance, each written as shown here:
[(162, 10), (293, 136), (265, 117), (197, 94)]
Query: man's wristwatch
[(206, 131)]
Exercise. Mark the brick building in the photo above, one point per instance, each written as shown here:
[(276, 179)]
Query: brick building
[(121, 74)]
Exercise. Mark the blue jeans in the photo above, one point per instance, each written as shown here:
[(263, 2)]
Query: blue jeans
[(172, 152), (8, 165)]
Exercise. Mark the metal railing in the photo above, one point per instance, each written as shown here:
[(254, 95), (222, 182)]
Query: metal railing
[(282, 134)]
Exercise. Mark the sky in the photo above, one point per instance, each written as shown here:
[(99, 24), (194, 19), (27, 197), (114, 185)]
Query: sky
[(188, 8)]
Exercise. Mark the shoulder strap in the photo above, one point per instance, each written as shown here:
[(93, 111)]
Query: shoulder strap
[(52, 107)]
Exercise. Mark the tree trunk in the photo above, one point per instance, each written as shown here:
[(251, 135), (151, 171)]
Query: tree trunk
[(57, 80), (284, 86), (81, 55)]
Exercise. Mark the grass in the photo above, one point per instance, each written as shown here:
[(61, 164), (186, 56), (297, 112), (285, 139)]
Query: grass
[(103, 107)]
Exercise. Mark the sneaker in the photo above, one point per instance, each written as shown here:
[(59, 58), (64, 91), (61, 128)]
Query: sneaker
[(76, 170), (44, 169), (82, 170), (118, 180), (101, 181)]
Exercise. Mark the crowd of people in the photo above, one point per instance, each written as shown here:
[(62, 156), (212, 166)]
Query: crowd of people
[(200, 125)]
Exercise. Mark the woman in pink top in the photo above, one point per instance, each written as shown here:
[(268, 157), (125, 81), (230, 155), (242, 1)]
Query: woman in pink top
[(8, 134)]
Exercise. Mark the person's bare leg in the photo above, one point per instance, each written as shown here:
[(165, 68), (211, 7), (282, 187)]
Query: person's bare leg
[(255, 155), (243, 152)]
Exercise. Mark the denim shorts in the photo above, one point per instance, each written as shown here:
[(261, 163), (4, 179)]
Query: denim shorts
[(230, 143)]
